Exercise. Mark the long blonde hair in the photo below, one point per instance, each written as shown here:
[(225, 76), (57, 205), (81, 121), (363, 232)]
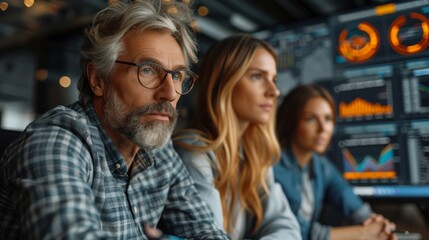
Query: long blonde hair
[(216, 125)]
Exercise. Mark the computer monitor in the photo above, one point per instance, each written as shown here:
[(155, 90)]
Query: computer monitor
[(365, 94), (381, 88), (375, 63), (385, 159), (381, 142), (415, 88)]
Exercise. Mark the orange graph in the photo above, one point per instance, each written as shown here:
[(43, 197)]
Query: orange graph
[(360, 107), (396, 41), (369, 175), (359, 43)]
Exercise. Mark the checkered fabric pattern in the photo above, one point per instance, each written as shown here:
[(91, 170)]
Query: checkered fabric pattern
[(64, 178)]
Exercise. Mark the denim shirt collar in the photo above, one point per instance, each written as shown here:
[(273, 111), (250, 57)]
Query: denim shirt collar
[(290, 162), (315, 169)]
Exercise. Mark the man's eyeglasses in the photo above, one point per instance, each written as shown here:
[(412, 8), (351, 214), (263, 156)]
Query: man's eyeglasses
[(152, 75)]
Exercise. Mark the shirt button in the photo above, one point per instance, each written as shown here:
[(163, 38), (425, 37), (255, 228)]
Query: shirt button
[(118, 165), (135, 210)]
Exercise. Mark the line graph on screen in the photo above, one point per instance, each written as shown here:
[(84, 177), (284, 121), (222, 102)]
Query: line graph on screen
[(378, 164)]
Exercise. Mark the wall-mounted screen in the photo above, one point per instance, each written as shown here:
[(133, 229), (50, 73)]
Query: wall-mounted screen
[(370, 154), (389, 32), (365, 94), (415, 87), (375, 62)]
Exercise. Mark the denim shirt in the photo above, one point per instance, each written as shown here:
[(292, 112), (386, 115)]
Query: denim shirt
[(328, 186)]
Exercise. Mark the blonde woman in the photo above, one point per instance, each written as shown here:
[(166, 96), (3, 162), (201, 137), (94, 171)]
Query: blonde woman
[(232, 146)]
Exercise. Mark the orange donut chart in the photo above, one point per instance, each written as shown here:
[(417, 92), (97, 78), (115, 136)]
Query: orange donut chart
[(359, 47), (395, 41)]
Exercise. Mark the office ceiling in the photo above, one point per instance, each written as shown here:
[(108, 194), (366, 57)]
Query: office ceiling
[(22, 26)]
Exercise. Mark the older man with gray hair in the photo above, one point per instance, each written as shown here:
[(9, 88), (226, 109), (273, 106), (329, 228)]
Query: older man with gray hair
[(104, 167)]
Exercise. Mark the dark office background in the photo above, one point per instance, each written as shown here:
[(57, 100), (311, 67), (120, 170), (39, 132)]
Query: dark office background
[(39, 69), (40, 40)]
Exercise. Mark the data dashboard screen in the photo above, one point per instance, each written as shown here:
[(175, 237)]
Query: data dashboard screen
[(384, 33), (385, 159), (381, 88), (375, 62), (415, 87), (370, 154), (365, 94)]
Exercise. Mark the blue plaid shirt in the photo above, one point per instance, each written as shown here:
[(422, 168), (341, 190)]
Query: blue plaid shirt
[(64, 178)]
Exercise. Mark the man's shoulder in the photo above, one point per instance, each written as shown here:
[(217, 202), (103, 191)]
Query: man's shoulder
[(63, 130), (72, 118), (63, 115), (74, 111)]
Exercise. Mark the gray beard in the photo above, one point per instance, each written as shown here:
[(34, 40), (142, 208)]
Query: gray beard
[(127, 121)]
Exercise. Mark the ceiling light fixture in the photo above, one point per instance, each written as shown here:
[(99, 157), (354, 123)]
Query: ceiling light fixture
[(28, 3), (212, 28), (203, 11), (3, 6), (242, 23)]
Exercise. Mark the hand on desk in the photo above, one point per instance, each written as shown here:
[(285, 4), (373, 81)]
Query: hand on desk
[(379, 227), (375, 227), (155, 234)]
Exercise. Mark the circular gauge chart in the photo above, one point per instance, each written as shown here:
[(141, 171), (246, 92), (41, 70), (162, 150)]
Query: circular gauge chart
[(410, 35), (358, 42)]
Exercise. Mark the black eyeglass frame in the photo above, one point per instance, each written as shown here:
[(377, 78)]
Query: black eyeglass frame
[(193, 76)]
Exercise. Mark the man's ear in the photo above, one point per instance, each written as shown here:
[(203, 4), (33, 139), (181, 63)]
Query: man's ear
[(97, 85)]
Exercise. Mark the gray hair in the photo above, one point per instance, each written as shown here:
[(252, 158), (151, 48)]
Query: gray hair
[(102, 42)]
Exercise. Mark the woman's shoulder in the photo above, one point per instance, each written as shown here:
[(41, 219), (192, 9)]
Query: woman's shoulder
[(323, 160), (188, 145), (327, 167), (188, 137)]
